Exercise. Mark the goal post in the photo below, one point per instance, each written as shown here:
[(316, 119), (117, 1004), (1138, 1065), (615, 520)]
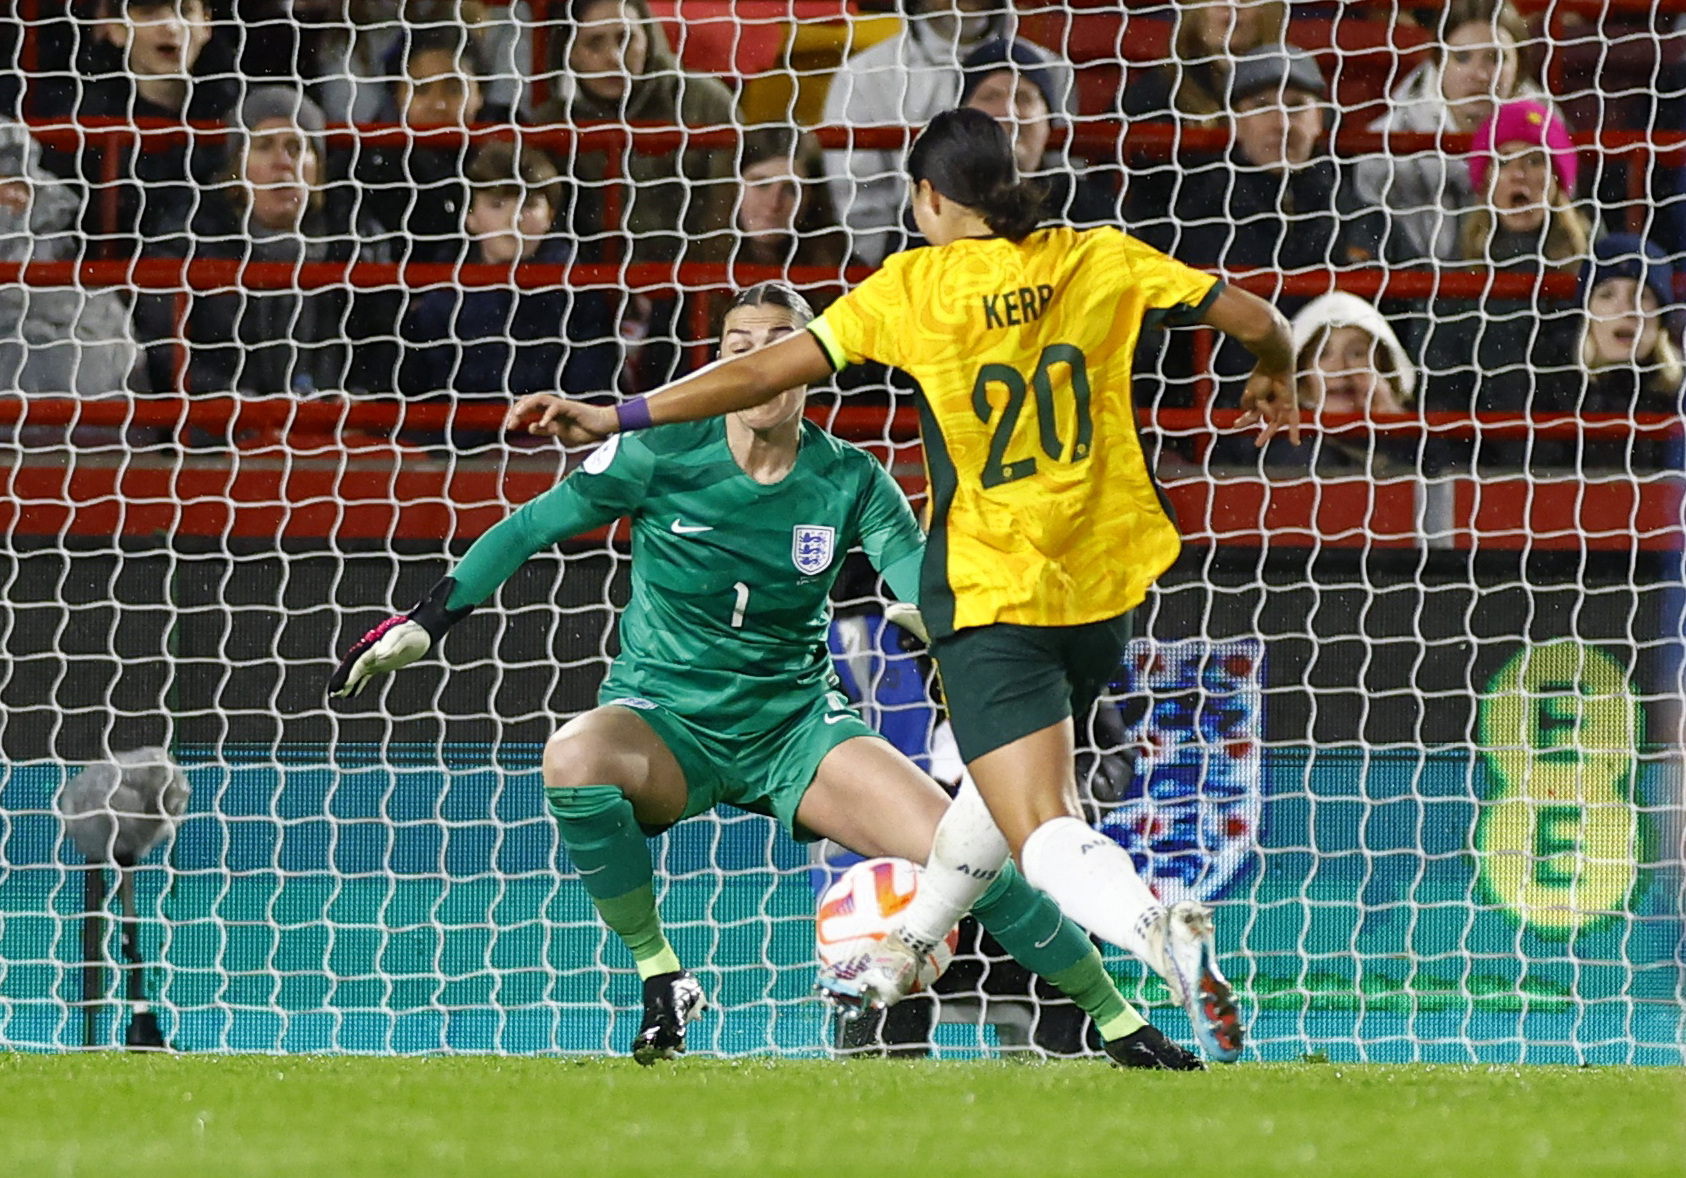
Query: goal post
[(1410, 719)]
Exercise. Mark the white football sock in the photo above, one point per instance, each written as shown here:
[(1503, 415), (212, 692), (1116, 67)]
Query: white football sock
[(1093, 881), (966, 857)]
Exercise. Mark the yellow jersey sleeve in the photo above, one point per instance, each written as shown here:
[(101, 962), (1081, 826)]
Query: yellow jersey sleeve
[(868, 323), (1175, 295)]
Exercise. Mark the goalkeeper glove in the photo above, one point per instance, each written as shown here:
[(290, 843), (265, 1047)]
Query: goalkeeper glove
[(397, 642), (907, 616)]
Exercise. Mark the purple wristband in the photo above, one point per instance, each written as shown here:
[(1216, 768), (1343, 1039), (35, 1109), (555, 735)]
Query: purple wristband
[(633, 414)]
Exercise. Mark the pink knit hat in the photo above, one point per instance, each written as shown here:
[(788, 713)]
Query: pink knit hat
[(1524, 122)]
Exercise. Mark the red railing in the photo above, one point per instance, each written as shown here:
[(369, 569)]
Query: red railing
[(212, 274), (1095, 135), (330, 416), (346, 487)]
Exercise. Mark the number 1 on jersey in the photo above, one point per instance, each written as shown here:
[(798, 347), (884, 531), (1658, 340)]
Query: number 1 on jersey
[(742, 592)]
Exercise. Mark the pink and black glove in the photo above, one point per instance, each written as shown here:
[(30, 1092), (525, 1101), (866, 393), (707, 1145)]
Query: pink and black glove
[(397, 642)]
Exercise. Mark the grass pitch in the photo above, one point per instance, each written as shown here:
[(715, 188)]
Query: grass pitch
[(137, 1116)]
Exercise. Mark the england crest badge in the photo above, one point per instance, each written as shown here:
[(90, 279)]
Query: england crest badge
[(811, 547)]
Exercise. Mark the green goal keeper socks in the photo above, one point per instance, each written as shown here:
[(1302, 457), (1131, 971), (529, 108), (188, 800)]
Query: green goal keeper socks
[(1030, 927), (613, 860)]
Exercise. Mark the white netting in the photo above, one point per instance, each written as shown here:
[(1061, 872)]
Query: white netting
[(1408, 711)]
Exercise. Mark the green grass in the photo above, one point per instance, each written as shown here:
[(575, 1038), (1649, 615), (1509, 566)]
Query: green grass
[(135, 1116)]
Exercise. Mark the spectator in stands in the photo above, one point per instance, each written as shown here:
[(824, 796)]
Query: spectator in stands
[(1626, 358), (1349, 359), (1278, 201), (270, 207), (1477, 64), (1613, 352), (1349, 363), (1524, 169), (415, 189), (1505, 354), (502, 341), (1011, 80), (902, 82), (614, 64), (165, 73), (360, 57), (52, 340), (1210, 36), (784, 213)]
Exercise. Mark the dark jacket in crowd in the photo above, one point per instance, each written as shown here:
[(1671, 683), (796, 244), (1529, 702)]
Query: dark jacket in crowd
[(1085, 198), (1235, 216), (1501, 355), (263, 341), (500, 342), (416, 194), (156, 186)]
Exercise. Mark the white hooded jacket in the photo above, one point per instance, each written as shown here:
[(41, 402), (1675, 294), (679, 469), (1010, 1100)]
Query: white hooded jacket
[(1340, 309)]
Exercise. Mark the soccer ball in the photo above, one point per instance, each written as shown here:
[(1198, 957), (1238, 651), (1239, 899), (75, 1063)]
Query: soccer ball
[(862, 906)]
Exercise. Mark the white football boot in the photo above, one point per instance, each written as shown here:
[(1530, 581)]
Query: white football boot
[(1183, 953), (873, 979)]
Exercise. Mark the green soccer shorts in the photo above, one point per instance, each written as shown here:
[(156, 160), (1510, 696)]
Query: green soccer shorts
[(1004, 681), (764, 772)]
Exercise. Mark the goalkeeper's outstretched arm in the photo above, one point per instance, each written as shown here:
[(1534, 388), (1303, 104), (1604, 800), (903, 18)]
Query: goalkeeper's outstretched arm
[(577, 504)]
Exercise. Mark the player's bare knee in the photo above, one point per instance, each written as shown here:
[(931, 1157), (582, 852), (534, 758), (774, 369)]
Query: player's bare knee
[(572, 759)]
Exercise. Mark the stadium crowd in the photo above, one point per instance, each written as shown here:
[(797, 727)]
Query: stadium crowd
[(1255, 177)]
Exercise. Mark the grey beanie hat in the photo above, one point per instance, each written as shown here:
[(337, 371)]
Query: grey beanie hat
[(263, 103)]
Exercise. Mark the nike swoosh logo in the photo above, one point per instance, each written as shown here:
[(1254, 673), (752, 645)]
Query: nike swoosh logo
[(681, 528), (1057, 926), (836, 719)]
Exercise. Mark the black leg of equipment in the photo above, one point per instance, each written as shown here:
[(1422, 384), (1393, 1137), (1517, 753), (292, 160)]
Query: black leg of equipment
[(93, 951), (143, 1033)]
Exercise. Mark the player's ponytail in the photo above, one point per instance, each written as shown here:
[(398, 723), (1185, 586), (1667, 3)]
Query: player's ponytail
[(967, 156)]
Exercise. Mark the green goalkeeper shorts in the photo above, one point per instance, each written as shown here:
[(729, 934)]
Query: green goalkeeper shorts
[(765, 772), (1004, 681)]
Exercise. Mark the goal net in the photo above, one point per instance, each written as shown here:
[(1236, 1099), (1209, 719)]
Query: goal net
[(1407, 712)]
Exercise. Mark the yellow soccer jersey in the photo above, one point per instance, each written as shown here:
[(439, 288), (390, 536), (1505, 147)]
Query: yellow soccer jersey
[(1044, 511)]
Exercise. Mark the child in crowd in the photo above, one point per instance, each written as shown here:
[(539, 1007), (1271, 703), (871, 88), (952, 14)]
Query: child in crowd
[(1348, 362), (1627, 358), (1348, 359), (414, 189), (167, 67), (360, 54), (1524, 169), (503, 341), (1503, 354)]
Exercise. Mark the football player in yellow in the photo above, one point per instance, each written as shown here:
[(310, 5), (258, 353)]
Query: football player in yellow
[(1046, 524)]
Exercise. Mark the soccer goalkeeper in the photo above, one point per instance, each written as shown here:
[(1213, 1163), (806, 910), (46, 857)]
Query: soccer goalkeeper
[(723, 691)]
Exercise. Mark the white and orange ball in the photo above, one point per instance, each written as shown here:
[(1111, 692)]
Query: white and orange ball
[(861, 906)]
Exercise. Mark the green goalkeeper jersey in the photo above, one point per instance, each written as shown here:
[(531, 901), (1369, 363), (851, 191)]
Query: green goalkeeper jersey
[(730, 578)]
